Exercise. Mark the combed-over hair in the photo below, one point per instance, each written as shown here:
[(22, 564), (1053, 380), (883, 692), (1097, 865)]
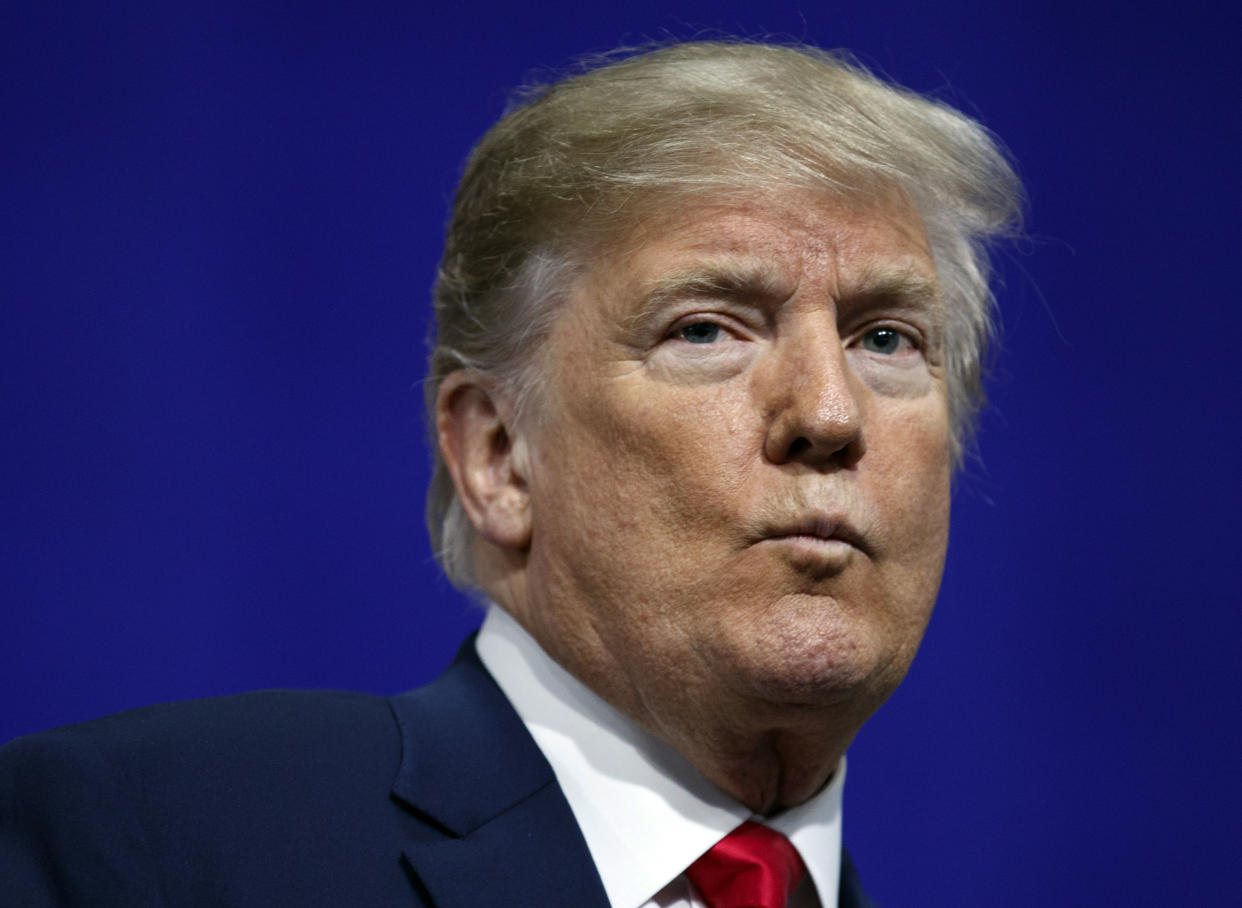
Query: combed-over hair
[(577, 163)]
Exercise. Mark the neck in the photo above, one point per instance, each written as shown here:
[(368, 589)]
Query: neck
[(766, 766), (767, 755)]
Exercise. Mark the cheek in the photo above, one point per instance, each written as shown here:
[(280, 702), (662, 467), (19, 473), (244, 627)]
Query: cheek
[(688, 451), (913, 494), (638, 480)]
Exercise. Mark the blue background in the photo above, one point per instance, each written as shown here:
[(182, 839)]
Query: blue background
[(220, 223)]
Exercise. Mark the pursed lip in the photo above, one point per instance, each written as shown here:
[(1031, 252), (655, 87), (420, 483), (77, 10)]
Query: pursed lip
[(823, 527)]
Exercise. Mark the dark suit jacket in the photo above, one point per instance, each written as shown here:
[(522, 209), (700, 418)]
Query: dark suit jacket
[(435, 797)]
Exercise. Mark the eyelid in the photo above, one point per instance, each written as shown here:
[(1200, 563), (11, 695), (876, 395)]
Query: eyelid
[(725, 321), (905, 329)]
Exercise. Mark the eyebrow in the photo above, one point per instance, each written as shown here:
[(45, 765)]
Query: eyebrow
[(758, 281), (903, 285), (737, 281), (908, 289)]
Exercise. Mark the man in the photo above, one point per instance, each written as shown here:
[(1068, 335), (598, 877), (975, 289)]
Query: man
[(709, 328)]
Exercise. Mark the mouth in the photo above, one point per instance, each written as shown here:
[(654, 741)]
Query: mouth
[(825, 532)]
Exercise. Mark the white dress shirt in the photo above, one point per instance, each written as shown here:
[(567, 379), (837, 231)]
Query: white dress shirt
[(645, 812)]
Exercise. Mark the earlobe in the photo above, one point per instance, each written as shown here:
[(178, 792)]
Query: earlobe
[(485, 457)]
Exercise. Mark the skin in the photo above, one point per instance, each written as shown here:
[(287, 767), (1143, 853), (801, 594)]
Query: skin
[(727, 513)]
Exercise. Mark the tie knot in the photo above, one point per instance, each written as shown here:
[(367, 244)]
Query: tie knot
[(751, 867)]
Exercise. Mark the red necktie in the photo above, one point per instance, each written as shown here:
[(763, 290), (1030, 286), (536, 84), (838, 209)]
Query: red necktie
[(751, 867)]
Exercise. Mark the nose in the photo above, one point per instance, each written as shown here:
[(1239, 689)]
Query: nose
[(815, 413)]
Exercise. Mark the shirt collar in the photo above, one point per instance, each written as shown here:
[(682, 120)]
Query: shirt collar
[(645, 812)]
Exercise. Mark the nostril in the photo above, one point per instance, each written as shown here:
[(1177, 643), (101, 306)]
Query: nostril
[(800, 446)]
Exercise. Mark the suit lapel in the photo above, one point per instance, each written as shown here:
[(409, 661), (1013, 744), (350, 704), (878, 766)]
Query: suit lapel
[(850, 894), (521, 859), (495, 828)]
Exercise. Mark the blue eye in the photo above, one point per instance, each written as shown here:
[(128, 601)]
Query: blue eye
[(883, 340), (700, 332)]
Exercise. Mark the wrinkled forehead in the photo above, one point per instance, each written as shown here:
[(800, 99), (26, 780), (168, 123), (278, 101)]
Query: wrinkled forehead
[(769, 241)]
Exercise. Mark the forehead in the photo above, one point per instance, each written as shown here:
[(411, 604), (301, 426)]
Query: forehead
[(774, 245)]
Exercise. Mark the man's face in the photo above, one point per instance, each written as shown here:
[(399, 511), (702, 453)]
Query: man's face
[(739, 463)]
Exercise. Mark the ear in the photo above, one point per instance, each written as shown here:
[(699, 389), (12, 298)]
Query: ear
[(484, 456)]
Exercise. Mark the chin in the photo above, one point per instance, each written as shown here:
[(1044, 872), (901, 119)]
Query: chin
[(845, 660)]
